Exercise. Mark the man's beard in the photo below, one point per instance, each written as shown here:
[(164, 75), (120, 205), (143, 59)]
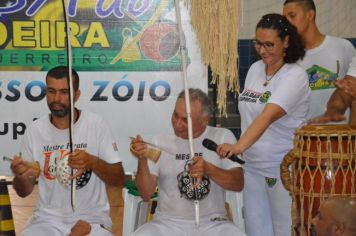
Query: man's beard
[(59, 113)]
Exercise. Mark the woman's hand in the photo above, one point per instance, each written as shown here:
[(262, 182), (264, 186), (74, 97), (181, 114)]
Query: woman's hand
[(227, 150)]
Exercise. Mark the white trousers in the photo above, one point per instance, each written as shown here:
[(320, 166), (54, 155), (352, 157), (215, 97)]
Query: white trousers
[(39, 227), (161, 226), (267, 206)]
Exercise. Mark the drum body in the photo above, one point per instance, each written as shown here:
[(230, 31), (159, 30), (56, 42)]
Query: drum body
[(323, 165)]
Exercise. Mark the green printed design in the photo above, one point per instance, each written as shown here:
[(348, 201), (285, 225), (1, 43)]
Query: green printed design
[(265, 96), (141, 42), (321, 78), (271, 182)]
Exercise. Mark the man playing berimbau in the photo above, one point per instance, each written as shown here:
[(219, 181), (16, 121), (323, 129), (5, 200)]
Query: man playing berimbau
[(175, 215), (94, 156)]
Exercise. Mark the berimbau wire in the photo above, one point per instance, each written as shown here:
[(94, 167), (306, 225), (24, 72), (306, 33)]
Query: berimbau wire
[(71, 95)]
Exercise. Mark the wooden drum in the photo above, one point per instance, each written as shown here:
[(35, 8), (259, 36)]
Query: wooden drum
[(321, 164)]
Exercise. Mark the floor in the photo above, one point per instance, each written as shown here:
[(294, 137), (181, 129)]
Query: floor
[(22, 208)]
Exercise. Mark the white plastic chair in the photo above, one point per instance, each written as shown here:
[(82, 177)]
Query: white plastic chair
[(235, 201), (135, 212)]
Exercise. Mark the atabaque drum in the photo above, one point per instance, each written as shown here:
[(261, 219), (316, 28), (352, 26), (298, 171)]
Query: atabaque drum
[(321, 164)]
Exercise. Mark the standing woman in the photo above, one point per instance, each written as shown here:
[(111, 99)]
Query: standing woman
[(274, 102)]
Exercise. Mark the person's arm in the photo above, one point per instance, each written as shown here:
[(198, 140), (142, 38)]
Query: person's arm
[(231, 179), (348, 86), (24, 177), (353, 113), (341, 98), (145, 182), (270, 114), (336, 107), (112, 174), (339, 101)]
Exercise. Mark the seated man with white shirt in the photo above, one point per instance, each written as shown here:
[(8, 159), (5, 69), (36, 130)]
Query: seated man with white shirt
[(175, 214)]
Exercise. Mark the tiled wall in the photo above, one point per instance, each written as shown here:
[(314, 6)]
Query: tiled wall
[(334, 17)]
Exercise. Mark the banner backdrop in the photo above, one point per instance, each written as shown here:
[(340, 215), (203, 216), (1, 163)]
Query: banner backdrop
[(127, 55)]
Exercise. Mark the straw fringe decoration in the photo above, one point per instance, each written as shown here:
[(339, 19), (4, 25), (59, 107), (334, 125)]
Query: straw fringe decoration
[(216, 25)]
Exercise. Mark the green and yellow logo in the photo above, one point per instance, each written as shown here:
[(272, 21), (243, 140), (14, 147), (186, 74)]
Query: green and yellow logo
[(271, 181), (321, 78), (265, 96), (116, 35)]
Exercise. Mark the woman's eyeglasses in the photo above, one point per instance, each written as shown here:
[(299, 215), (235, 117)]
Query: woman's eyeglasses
[(268, 46)]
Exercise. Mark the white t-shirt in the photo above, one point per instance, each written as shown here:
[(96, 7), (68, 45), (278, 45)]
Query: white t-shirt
[(44, 143), (321, 65), (288, 89), (170, 203), (352, 68)]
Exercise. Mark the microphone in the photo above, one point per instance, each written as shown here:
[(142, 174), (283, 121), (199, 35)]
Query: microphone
[(212, 146)]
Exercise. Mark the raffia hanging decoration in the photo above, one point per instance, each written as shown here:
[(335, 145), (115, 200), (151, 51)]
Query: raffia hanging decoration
[(216, 26)]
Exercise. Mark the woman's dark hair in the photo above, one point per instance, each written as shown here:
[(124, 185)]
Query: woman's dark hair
[(279, 23)]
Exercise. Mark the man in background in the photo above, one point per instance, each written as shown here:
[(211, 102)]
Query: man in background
[(327, 57)]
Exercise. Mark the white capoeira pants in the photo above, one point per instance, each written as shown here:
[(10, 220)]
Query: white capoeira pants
[(267, 206), (162, 226), (46, 227)]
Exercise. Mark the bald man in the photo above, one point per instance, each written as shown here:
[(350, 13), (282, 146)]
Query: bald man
[(336, 217)]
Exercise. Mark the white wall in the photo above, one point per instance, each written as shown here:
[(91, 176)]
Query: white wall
[(334, 17)]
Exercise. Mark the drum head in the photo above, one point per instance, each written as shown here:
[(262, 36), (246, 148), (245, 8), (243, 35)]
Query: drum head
[(326, 130)]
